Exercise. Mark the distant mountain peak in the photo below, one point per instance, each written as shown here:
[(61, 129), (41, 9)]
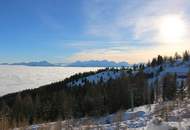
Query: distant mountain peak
[(98, 63), (33, 63)]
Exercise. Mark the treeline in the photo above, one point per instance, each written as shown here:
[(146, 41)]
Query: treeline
[(159, 60), (60, 101)]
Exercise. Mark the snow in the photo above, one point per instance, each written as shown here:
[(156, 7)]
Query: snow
[(179, 68), (104, 76), (142, 118), (162, 126)]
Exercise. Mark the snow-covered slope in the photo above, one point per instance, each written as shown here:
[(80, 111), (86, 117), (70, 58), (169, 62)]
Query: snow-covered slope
[(180, 68), (142, 118), (102, 76)]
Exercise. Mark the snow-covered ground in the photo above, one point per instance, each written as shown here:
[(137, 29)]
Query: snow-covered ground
[(16, 78), (141, 118), (104, 76), (179, 68)]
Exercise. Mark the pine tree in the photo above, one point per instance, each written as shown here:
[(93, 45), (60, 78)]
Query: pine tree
[(68, 106), (182, 91), (159, 60), (28, 108), (169, 87), (148, 64), (186, 56), (4, 116), (177, 56), (154, 62), (188, 84)]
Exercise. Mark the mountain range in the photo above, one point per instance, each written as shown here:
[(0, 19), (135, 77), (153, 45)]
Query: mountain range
[(90, 63), (33, 63), (97, 63)]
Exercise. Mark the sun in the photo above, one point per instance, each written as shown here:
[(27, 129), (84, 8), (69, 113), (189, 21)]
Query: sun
[(172, 29)]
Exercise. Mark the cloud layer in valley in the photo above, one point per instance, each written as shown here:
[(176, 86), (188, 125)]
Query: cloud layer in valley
[(17, 78)]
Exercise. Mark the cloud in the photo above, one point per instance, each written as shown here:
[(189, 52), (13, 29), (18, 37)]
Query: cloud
[(94, 44), (130, 54), (129, 30), (124, 19), (17, 78)]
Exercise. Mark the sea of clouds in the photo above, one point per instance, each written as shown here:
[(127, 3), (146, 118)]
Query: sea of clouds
[(17, 78)]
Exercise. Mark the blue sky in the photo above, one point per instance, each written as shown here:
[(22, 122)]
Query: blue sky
[(70, 30)]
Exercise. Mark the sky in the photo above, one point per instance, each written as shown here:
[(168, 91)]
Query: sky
[(63, 31)]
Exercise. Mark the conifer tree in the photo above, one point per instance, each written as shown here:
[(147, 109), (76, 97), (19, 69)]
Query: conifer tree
[(177, 56), (169, 87), (186, 56), (188, 84)]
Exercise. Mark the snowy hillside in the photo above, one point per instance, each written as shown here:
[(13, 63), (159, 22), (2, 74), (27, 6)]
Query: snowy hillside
[(146, 117), (180, 68), (102, 76)]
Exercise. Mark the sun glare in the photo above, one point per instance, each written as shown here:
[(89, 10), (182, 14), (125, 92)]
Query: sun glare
[(172, 29)]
